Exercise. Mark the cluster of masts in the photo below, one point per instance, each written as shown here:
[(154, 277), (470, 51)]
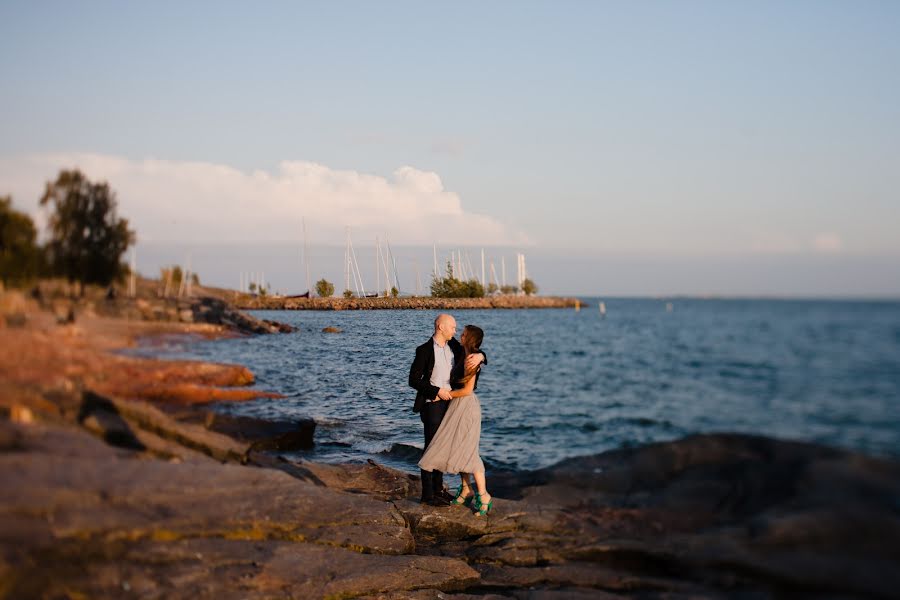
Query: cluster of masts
[(386, 272), (459, 261)]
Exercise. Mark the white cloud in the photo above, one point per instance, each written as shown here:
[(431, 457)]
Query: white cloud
[(828, 243), (203, 202)]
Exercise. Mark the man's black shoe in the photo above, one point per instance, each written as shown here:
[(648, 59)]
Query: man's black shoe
[(445, 495), (436, 501)]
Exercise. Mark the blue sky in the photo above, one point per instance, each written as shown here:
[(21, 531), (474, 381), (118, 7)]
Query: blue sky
[(607, 134)]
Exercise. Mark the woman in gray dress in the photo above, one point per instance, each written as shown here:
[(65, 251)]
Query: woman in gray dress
[(454, 448)]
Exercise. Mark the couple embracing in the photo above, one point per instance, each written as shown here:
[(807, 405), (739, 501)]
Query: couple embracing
[(445, 375)]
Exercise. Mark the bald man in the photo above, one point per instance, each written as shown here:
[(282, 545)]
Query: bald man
[(430, 376)]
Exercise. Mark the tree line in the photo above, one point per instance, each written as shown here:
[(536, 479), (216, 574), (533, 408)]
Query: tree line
[(85, 240)]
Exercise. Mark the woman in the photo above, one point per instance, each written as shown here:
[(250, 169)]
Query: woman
[(454, 448)]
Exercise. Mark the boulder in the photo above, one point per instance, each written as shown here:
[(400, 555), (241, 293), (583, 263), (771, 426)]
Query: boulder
[(262, 434)]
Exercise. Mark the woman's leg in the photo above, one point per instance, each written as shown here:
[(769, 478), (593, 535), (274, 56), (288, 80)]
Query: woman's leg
[(464, 495), (482, 487)]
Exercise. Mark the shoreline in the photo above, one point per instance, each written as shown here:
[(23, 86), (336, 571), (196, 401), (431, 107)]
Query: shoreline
[(121, 479), (247, 302)]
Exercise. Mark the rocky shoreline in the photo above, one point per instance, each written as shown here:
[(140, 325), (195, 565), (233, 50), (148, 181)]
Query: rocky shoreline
[(120, 481), (248, 302)]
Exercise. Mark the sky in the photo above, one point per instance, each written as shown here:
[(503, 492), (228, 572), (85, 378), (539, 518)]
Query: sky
[(627, 148)]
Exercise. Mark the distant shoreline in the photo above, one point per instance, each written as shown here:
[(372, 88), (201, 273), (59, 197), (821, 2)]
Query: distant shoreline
[(245, 302)]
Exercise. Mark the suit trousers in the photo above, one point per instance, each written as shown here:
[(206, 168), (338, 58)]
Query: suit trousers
[(432, 415)]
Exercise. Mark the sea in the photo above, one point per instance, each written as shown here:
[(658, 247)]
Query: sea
[(561, 383)]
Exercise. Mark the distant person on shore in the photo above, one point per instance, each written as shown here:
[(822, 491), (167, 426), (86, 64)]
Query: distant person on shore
[(430, 375), (454, 448)]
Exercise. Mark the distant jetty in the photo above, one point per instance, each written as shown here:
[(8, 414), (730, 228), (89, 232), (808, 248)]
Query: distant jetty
[(248, 302)]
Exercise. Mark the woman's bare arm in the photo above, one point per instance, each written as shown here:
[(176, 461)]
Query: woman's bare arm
[(466, 389)]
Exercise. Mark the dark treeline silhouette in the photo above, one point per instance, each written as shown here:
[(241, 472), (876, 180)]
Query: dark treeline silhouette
[(86, 238)]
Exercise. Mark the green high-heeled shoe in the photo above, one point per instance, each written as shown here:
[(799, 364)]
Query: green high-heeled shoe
[(461, 500), (482, 509)]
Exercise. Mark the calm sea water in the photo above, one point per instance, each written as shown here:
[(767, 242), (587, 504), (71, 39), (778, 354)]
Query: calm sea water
[(562, 383)]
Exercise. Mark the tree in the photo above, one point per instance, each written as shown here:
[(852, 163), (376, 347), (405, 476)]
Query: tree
[(394, 292), (324, 288), (87, 238), (529, 287), (20, 257), (508, 289), (451, 287), (348, 294), (252, 287), (492, 288)]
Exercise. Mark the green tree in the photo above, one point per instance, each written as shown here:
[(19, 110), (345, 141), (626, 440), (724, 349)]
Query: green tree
[(451, 287), (252, 287), (508, 289), (529, 287), (492, 288), (348, 294), (87, 238), (20, 257), (394, 292), (324, 288)]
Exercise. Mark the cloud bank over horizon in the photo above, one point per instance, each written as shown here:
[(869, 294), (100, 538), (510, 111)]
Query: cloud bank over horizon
[(194, 201)]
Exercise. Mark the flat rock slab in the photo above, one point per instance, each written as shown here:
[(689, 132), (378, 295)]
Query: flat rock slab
[(451, 523), (222, 568), (80, 488), (371, 479)]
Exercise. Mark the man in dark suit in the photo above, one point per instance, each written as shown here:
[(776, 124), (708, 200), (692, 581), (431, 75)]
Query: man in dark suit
[(430, 375)]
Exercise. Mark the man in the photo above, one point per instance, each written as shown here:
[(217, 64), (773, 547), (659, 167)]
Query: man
[(430, 376)]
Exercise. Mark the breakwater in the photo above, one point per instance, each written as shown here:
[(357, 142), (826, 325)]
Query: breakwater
[(248, 302)]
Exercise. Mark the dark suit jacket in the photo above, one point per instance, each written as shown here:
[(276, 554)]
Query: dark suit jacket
[(423, 365)]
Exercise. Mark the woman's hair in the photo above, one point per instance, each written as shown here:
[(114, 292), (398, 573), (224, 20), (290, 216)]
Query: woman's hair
[(474, 336)]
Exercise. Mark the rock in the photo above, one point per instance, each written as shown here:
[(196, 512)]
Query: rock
[(726, 508), (14, 302), (11, 437), (119, 497), (371, 479), (99, 416), (196, 437), (277, 327), (162, 528), (217, 311), (18, 319), (331, 330), (192, 394), (186, 315), (20, 414), (222, 568), (279, 436)]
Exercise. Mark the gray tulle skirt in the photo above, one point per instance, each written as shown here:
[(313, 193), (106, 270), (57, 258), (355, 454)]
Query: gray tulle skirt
[(454, 448)]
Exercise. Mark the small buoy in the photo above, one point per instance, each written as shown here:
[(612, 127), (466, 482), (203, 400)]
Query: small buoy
[(603, 309), (577, 305)]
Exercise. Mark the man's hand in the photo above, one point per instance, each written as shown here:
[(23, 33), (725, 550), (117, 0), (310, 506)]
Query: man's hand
[(473, 360), (444, 394)]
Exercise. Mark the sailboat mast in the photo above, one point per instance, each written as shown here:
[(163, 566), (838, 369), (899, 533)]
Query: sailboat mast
[(482, 268), (306, 257), (347, 262)]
